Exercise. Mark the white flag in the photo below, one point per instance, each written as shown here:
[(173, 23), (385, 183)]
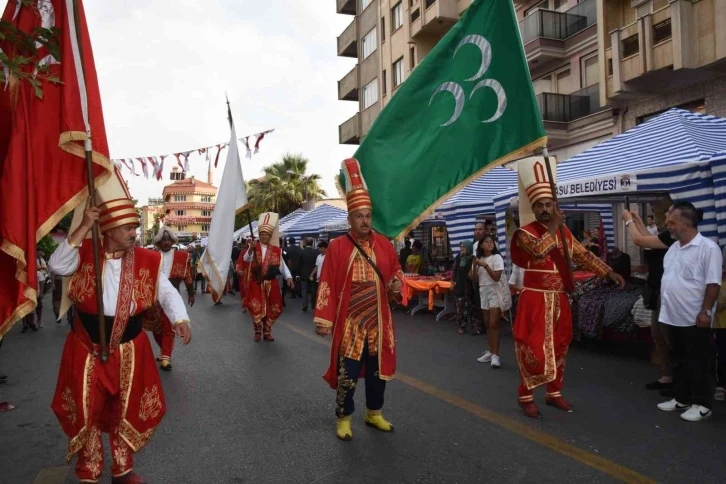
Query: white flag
[(231, 198)]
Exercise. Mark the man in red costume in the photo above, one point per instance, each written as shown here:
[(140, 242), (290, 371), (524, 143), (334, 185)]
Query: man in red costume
[(123, 396), (242, 267), (176, 266), (264, 297), (360, 276), (543, 324)]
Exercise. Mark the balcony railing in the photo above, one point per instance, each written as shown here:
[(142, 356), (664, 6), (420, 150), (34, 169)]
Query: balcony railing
[(558, 25), (564, 108)]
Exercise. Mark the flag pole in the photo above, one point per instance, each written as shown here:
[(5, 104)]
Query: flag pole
[(247, 210), (553, 187), (95, 231)]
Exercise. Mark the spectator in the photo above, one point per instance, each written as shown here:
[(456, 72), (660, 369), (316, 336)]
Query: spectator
[(293, 253), (196, 260), (652, 228), (413, 261), (308, 258), (690, 288), (619, 261), (462, 288), (489, 267), (315, 276), (404, 253), (660, 332)]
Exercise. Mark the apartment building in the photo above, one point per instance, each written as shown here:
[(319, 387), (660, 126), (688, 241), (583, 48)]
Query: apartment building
[(598, 67), (190, 203)]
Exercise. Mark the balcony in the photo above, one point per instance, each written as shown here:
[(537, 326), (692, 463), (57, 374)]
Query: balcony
[(349, 132), (549, 35), (564, 108), (348, 86), (346, 7), (433, 17), (348, 41)]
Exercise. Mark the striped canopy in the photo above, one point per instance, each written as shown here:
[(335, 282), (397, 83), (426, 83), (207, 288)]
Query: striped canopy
[(289, 219), (310, 223)]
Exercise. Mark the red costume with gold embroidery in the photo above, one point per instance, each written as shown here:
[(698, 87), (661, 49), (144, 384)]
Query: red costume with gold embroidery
[(354, 302), (264, 297), (124, 396), (242, 267), (543, 326), (154, 319)]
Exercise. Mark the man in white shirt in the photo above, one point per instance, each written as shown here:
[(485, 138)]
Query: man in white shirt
[(122, 396), (652, 227), (689, 291)]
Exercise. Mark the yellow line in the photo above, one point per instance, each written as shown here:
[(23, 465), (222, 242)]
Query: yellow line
[(611, 468)]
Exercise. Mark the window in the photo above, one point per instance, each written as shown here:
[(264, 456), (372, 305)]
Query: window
[(534, 8), (590, 70), (662, 31), (370, 43), (542, 85), (370, 94), (412, 56), (384, 80), (206, 199), (564, 82), (415, 15), (396, 17), (610, 67), (181, 228), (397, 73), (180, 198), (383, 29), (364, 4), (180, 213), (429, 3), (206, 213), (630, 46), (205, 228)]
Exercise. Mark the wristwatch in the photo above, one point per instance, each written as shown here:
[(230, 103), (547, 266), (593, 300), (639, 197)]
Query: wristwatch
[(628, 222), (707, 312)]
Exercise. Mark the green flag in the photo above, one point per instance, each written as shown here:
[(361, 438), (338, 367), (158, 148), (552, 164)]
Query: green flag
[(468, 107)]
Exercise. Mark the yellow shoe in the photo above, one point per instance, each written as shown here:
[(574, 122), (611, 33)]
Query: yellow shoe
[(374, 418), (342, 428), (165, 364)]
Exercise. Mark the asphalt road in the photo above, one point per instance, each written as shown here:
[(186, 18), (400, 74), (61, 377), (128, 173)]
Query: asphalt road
[(245, 412)]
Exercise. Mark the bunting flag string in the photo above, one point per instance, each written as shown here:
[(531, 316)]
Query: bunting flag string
[(153, 166)]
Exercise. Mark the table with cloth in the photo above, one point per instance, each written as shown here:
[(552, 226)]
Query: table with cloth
[(432, 292)]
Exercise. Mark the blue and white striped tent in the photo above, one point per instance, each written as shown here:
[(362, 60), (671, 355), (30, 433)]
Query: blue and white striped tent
[(309, 224), (668, 153), (245, 231), (718, 171), (476, 199), (337, 224), (286, 222)]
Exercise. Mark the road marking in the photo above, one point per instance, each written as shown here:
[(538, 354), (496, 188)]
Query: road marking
[(606, 466)]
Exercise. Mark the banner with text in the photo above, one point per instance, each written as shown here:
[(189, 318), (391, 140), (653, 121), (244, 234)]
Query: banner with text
[(606, 185)]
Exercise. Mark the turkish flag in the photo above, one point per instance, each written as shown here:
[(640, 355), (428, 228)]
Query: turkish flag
[(42, 158)]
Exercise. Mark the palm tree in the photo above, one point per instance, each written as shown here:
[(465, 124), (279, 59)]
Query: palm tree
[(285, 186)]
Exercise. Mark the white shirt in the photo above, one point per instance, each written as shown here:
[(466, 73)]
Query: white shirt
[(652, 229), (517, 277), (687, 272), (65, 261), (283, 267), (167, 260), (319, 266), (495, 263)]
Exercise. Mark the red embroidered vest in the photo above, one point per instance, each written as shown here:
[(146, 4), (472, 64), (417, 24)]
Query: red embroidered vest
[(139, 274), (179, 265), (273, 256), (550, 272)]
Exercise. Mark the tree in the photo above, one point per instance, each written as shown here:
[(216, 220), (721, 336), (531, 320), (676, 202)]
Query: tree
[(284, 186), (24, 62)]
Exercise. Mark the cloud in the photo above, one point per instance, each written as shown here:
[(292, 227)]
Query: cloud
[(164, 67)]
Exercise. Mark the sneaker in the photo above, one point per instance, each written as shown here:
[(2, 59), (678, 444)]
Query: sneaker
[(696, 413), (485, 357), (495, 362), (672, 405), (720, 394)]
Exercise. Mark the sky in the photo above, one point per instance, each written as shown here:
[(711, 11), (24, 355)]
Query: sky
[(164, 66)]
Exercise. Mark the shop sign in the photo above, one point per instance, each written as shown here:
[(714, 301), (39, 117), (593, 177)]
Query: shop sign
[(622, 183)]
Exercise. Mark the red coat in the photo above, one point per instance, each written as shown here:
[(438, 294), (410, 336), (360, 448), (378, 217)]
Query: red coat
[(331, 308)]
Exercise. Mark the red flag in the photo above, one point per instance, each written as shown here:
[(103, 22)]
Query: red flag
[(178, 160), (219, 150), (42, 161), (257, 143)]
